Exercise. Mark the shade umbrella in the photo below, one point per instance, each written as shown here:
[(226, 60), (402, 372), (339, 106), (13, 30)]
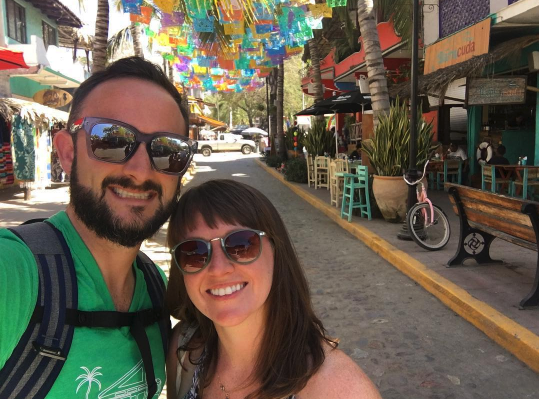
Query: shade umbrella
[(255, 130), (315, 110), (353, 101), (10, 59)]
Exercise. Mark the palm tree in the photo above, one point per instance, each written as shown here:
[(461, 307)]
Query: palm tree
[(317, 77), (101, 36), (373, 58), (135, 34), (89, 378), (280, 109)]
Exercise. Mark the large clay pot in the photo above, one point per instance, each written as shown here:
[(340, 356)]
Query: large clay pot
[(391, 193)]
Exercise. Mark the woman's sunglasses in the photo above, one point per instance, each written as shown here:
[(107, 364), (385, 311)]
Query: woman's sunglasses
[(113, 141), (240, 246)]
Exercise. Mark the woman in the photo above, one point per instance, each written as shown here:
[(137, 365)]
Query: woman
[(247, 326)]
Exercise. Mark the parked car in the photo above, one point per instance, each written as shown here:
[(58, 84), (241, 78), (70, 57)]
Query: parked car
[(226, 142)]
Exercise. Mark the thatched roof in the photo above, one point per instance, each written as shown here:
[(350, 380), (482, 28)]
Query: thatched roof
[(71, 37), (34, 113), (436, 83)]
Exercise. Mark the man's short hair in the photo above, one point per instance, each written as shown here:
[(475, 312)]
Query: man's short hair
[(501, 149), (131, 67)]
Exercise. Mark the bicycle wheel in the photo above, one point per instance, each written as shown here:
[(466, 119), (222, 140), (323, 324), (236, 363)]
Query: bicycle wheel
[(432, 235)]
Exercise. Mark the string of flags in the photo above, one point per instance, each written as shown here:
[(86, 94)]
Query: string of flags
[(224, 45)]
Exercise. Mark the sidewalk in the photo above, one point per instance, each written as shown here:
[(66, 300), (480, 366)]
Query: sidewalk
[(485, 295)]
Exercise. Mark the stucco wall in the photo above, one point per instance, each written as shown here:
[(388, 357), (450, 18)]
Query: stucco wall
[(34, 17)]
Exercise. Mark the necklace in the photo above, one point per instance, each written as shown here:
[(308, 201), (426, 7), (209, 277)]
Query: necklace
[(222, 388)]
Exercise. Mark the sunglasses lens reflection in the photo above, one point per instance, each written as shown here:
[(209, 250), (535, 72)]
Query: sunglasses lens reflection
[(243, 246), (112, 143), (169, 154), (192, 255)]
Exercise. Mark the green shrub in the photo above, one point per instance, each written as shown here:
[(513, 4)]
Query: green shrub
[(295, 170), (274, 161)]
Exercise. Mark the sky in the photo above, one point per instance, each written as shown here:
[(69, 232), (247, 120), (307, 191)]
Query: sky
[(117, 20)]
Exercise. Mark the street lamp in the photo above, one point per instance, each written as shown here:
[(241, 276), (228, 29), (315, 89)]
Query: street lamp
[(412, 173)]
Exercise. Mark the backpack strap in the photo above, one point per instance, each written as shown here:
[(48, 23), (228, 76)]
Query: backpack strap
[(156, 291), (40, 354)]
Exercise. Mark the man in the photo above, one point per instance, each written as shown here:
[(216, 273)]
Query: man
[(118, 199), (456, 152), (356, 154), (499, 158)]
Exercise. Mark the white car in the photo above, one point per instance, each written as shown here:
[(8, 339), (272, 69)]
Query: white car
[(226, 142)]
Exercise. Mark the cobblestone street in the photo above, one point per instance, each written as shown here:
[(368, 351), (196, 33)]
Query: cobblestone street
[(406, 340)]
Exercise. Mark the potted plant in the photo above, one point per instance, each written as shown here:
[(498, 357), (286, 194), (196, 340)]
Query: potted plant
[(319, 141), (389, 154)]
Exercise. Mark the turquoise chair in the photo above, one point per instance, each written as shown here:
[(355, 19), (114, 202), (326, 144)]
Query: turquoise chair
[(488, 176), (530, 180), (352, 182), (453, 170)]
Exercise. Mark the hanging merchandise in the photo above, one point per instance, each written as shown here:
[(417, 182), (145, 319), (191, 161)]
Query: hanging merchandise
[(23, 149)]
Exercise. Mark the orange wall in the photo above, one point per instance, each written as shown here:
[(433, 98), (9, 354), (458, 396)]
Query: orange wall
[(432, 117)]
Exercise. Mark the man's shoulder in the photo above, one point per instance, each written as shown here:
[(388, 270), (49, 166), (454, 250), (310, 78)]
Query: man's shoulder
[(13, 249)]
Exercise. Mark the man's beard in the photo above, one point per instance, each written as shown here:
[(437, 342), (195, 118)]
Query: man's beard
[(95, 213)]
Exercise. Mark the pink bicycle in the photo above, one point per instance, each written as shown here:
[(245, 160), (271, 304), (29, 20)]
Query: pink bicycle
[(427, 223)]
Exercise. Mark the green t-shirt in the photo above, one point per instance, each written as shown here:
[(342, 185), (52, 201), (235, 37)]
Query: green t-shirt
[(105, 363)]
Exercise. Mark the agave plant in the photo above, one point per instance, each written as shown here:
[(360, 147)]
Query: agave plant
[(319, 140), (389, 149)]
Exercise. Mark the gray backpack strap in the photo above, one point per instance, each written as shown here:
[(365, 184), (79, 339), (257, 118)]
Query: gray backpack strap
[(40, 354)]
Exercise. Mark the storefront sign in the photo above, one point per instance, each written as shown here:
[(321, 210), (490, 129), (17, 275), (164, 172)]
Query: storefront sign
[(459, 47), (54, 98), (503, 90)]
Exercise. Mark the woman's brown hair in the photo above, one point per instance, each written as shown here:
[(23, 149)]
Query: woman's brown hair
[(292, 348)]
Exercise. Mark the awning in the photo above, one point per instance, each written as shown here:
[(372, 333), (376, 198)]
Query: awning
[(30, 111), (198, 119), (436, 83), (47, 76), (10, 59)]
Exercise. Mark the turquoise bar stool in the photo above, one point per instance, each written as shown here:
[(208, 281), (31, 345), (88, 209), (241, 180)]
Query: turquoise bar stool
[(352, 182)]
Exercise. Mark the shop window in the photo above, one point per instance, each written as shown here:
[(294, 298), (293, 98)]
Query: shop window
[(16, 21), (49, 34)]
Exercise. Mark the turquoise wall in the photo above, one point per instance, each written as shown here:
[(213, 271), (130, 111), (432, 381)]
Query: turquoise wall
[(25, 87), (519, 143), (34, 17)]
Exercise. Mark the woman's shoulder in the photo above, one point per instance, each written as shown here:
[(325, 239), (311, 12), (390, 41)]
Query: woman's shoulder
[(339, 377)]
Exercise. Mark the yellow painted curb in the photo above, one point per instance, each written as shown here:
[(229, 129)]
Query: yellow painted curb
[(517, 339)]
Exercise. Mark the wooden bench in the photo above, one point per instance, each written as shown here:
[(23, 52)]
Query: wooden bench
[(485, 216)]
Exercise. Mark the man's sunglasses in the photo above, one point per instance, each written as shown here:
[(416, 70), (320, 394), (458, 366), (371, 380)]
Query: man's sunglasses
[(113, 141), (240, 246)]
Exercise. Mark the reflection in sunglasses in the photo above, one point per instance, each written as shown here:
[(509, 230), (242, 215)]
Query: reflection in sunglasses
[(243, 246)]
